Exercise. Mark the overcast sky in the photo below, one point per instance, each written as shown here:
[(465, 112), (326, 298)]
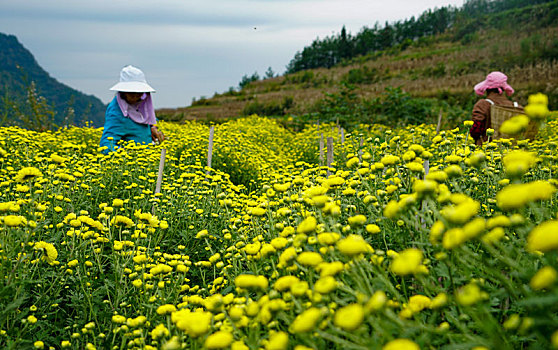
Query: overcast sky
[(187, 49)]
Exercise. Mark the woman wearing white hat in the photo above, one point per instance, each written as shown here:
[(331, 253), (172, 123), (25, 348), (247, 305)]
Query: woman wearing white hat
[(130, 115)]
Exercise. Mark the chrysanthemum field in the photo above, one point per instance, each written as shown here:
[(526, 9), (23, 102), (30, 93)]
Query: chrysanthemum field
[(410, 240)]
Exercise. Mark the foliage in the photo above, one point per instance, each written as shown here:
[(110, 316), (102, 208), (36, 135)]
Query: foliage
[(35, 113), (271, 108), (363, 75), (409, 238), (393, 108)]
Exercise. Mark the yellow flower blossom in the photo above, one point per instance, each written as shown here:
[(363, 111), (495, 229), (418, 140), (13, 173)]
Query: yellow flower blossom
[(329, 268), (544, 278), (408, 262), (470, 294), (306, 321), (27, 173), (14, 220), (166, 309), (439, 301), (349, 317), (194, 323), (419, 302), (307, 225), (159, 331), (219, 340), (251, 282), (544, 237), (309, 258), (325, 285), (50, 253), (357, 220), (462, 212), (376, 301), (401, 344), (277, 341), (516, 196), (353, 245), (328, 238), (518, 163)]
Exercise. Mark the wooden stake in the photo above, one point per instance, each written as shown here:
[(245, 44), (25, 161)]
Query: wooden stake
[(439, 122), (159, 176), (329, 154), (360, 143), (321, 149), (210, 147)]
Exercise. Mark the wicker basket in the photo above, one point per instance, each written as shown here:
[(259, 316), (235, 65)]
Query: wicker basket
[(499, 114)]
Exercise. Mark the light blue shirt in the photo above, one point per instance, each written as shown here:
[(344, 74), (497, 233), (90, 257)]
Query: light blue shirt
[(122, 128)]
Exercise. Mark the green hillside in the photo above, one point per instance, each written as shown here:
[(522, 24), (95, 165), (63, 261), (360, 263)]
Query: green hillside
[(21, 75), (433, 71)]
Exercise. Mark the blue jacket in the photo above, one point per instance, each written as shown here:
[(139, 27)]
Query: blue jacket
[(122, 128)]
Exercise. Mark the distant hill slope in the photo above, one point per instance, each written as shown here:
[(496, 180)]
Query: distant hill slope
[(522, 42), (18, 68)]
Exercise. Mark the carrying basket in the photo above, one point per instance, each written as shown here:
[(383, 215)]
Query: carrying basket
[(499, 114)]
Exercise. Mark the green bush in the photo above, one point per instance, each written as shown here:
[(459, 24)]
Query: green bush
[(364, 75), (272, 108)]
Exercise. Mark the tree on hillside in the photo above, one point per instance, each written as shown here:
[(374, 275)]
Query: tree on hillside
[(269, 73), (333, 49), (245, 80)]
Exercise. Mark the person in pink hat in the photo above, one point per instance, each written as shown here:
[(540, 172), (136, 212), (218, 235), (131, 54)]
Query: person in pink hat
[(130, 115), (494, 86)]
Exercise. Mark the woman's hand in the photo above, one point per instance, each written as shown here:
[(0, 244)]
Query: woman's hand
[(156, 135)]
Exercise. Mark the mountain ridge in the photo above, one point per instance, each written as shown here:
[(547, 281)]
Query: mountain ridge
[(19, 69)]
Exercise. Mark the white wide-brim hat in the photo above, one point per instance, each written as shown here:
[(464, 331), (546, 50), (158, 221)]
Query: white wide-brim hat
[(132, 79)]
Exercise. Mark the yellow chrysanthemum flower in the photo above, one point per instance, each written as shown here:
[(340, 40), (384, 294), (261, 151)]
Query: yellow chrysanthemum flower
[(325, 285), (14, 220), (306, 321), (544, 237), (353, 245), (219, 340), (277, 341), (349, 317), (50, 253), (408, 262), (309, 258), (307, 225), (251, 282), (470, 294), (159, 331), (401, 344), (27, 173), (544, 278)]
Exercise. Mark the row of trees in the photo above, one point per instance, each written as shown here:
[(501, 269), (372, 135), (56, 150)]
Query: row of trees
[(332, 50)]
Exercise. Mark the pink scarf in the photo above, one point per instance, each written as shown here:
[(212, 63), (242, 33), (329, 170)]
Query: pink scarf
[(142, 112)]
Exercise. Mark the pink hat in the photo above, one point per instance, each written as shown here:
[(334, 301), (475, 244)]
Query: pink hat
[(494, 80)]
